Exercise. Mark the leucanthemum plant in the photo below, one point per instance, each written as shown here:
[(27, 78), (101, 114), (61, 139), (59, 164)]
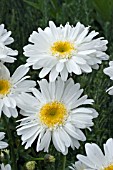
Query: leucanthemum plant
[(6, 53), (56, 114), (109, 71), (11, 87), (65, 49), (95, 158)]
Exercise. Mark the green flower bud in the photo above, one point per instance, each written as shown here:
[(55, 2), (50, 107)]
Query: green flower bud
[(1, 156), (49, 158), (6, 151), (30, 165)]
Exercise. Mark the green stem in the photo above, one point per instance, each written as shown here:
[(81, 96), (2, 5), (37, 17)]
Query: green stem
[(64, 162), (37, 159), (11, 144)]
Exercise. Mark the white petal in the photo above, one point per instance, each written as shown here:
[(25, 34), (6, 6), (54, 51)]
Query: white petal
[(9, 102), (25, 86), (74, 132), (52, 89), (37, 94), (59, 89), (13, 112), (45, 89), (64, 74), (95, 154), (45, 141), (6, 111), (19, 73), (59, 67), (53, 75), (4, 72), (53, 29), (44, 72), (82, 35), (57, 142), (75, 68), (108, 149), (86, 161), (2, 135), (3, 145), (79, 59), (86, 52), (86, 68), (64, 137)]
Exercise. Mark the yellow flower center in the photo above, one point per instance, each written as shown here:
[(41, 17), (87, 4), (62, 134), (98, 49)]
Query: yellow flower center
[(53, 114), (110, 167), (62, 49), (4, 87)]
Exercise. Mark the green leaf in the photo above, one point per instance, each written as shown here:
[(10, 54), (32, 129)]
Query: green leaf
[(104, 7), (33, 4)]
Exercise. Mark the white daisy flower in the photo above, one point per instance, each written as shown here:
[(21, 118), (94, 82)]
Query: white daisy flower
[(109, 71), (62, 50), (95, 158), (5, 36), (78, 166), (55, 114), (5, 52), (5, 167), (11, 87), (2, 144)]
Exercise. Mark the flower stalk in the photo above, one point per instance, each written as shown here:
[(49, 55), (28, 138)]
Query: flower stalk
[(11, 144), (64, 162)]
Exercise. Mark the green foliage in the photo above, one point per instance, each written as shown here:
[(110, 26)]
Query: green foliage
[(24, 16), (105, 8)]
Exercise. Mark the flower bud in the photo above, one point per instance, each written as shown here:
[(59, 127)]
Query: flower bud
[(30, 165), (49, 158), (1, 155)]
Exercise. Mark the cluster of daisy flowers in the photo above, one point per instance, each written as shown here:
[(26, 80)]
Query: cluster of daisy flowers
[(57, 111)]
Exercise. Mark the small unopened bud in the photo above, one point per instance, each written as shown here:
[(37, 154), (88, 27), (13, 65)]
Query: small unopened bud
[(6, 151), (30, 165), (1, 155), (49, 158)]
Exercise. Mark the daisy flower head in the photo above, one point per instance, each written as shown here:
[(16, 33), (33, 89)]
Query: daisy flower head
[(5, 52), (65, 49), (55, 115), (5, 167), (11, 87), (95, 158), (109, 71), (78, 166), (5, 36), (2, 144)]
